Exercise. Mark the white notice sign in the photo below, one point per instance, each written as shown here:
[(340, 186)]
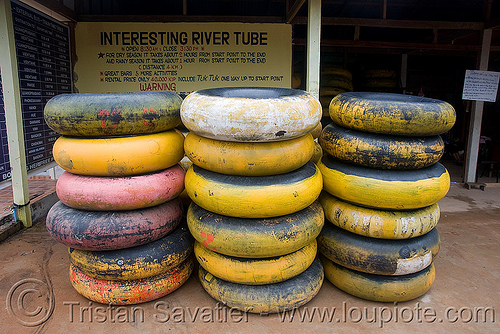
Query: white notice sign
[(480, 85)]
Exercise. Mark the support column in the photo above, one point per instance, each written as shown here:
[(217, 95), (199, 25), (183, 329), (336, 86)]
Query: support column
[(13, 115), (477, 116), (313, 46), (404, 71)]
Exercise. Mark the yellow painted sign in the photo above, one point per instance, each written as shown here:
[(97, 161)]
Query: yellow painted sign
[(181, 57)]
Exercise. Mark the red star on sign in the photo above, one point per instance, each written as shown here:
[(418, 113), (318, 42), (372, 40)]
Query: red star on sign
[(100, 55), (102, 73)]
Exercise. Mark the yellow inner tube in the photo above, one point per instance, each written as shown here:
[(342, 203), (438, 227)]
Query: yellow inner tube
[(384, 189), (254, 197), (255, 271), (389, 113), (384, 224), (268, 298), (379, 288), (255, 238), (119, 156), (249, 158)]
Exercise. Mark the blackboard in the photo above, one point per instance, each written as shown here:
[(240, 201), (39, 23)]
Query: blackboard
[(44, 65)]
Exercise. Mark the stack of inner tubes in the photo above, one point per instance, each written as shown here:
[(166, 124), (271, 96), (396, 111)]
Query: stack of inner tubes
[(254, 189), (334, 80), (118, 210), (382, 182)]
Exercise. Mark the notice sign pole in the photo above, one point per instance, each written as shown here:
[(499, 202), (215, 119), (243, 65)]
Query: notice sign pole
[(478, 89)]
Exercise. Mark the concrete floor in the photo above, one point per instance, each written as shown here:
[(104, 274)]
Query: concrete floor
[(465, 297)]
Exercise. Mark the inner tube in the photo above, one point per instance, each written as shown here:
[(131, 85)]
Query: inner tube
[(384, 189), (119, 156), (383, 224), (250, 113), (378, 256), (318, 152), (98, 193), (109, 230), (138, 262), (333, 81), (336, 70), (390, 113), (249, 158), (268, 298), (133, 291), (316, 132), (381, 151), (379, 288), (255, 238), (254, 196), (113, 114), (255, 271)]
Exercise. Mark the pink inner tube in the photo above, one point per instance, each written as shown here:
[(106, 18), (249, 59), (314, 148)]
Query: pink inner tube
[(109, 230), (97, 193)]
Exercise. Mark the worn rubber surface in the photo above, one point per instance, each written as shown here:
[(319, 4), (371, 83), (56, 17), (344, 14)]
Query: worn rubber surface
[(268, 298), (383, 224), (132, 291), (316, 132), (255, 271), (138, 262), (378, 256), (390, 113), (110, 230), (384, 189), (379, 288), (328, 69), (318, 152), (119, 156), (381, 151), (100, 193), (254, 196), (329, 82), (249, 158), (250, 113), (113, 114), (255, 238)]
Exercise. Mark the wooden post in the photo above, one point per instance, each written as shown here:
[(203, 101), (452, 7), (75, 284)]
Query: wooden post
[(313, 46), (477, 116), (13, 115), (404, 71)]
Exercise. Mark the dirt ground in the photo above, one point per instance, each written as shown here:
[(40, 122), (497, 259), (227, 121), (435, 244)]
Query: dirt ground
[(37, 296)]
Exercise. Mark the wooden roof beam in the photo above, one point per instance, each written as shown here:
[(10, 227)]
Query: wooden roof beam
[(494, 24), (390, 23), (56, 7), (179, 18), (384, 9), (290, 15), (397, 45)]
